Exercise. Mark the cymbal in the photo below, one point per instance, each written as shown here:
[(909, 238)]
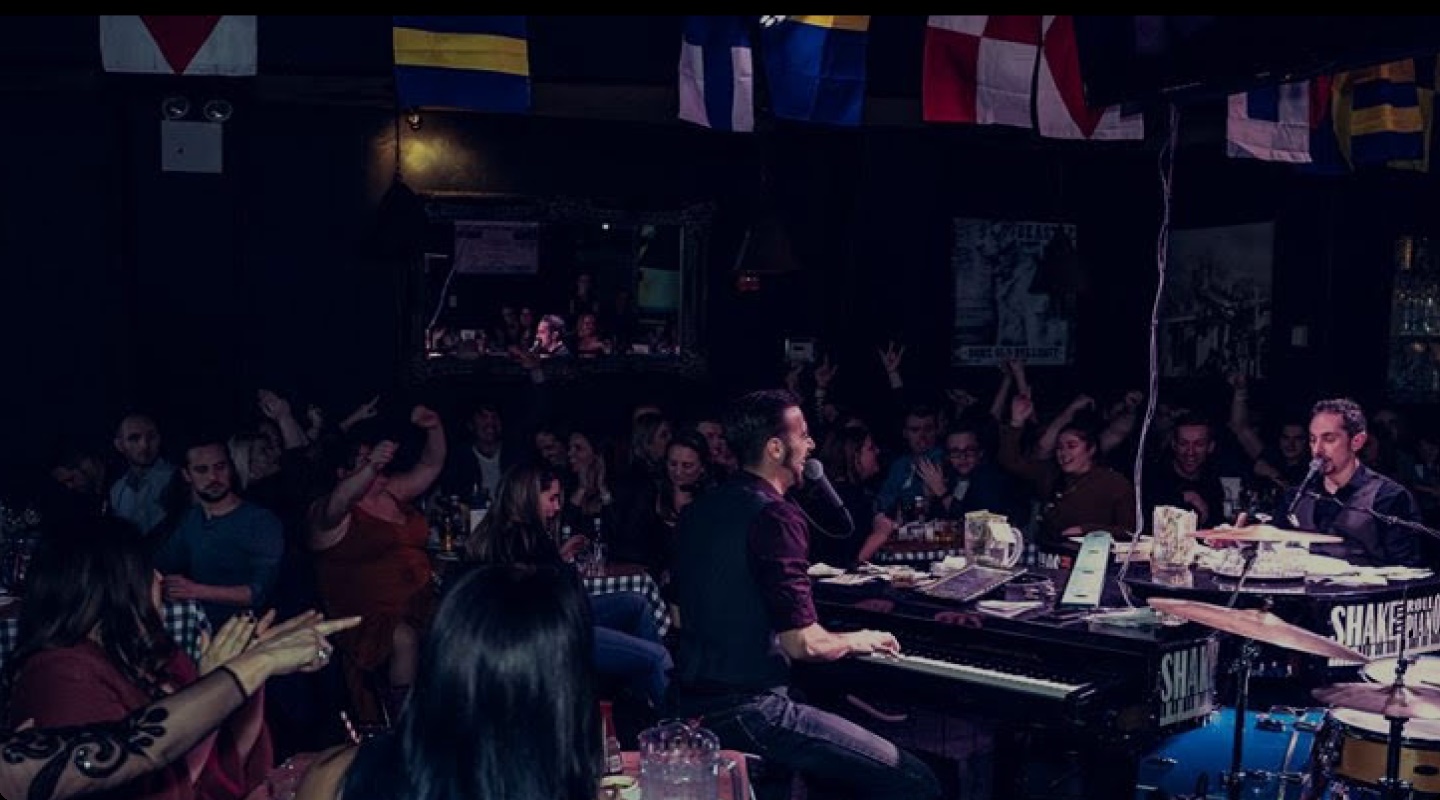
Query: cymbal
[(1253, 623), (1404, 702), (1266, 533)]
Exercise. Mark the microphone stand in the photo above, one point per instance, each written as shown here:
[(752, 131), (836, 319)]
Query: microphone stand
[(1388, 519)]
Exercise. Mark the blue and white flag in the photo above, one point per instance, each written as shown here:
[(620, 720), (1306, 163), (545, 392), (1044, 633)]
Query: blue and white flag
[(1271, 123), (717, 79)]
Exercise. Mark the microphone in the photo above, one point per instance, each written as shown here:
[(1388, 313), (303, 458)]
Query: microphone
[(815, 475), (1315, 464)]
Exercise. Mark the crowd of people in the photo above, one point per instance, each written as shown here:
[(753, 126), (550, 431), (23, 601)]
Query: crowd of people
[(290, 512)]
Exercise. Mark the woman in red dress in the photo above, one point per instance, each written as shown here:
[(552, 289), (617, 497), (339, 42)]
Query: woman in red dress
[(370, 561)]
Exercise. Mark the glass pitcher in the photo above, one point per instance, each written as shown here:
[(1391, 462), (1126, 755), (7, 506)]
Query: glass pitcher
[(682, 762)]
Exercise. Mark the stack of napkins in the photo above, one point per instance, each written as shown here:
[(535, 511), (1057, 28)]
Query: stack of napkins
[(1174, 542)]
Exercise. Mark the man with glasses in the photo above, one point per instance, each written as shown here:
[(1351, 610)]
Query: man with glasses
[(967, 480)]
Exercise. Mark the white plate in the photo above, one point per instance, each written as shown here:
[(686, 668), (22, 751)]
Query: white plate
[(1260, 573)]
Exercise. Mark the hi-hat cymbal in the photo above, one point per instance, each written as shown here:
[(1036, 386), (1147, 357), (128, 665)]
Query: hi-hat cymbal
[(1255, 624), (1389, 700), (1266, 533)]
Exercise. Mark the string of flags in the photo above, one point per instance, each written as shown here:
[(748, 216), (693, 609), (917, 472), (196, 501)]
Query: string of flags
[(1020, 71)]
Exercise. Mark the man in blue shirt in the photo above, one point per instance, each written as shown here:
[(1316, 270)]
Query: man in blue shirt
[(226, 551)]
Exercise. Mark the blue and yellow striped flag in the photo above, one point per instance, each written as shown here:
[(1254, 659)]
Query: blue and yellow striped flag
[(815, 68), (1378, 115), (473, 63)]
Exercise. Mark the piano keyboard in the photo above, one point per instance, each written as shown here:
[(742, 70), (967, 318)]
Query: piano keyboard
[(1052, 688)]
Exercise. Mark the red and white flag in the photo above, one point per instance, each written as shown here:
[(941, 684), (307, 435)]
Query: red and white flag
[(179, 45), (1018, 70)]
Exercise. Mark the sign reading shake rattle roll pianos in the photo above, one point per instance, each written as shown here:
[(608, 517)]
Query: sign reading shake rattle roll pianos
[(1376, 628), (1187, 683)]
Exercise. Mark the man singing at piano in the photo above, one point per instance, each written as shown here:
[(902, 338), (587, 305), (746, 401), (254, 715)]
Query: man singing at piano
[(1349, 499), (746, 610)]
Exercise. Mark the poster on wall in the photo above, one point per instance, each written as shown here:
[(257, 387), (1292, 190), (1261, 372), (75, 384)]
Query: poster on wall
[(1001, 308), (1215, 316), (497, 248)]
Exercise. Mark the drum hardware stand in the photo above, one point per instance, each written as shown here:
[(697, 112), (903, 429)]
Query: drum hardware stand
[(1391, 787), (1244, 665)]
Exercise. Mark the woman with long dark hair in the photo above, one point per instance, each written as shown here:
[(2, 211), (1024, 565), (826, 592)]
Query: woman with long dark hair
[(503, 704), (92, 649), (648, 536), (60, 763), (520, 529)]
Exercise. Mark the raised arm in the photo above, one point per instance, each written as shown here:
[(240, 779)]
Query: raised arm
[(1240, 425), (1045, 447), (278, 410), (330, 515), (420, 477), (1122, 424), (1010, 457), (1002, 392)]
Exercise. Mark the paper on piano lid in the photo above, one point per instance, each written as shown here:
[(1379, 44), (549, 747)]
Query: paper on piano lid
[(1008, 608), (851, 579), (1141, 617), (823, 570)]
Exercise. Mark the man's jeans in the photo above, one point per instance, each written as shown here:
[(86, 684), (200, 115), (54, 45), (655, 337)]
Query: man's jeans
[(825, 748)]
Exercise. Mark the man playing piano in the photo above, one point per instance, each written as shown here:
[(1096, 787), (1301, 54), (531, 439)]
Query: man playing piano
[(1350, 499), (744, 598)]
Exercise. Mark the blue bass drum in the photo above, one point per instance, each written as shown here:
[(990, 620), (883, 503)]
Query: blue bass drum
[(1276, 757)]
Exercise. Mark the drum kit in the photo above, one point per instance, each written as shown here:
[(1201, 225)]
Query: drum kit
[(1381, 737)]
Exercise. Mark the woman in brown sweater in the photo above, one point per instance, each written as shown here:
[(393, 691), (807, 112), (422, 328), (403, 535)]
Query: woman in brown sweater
[(1079, 495)]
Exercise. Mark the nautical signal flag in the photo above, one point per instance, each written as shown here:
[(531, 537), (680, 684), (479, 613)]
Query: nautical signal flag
[(717, 76), (1271, 123), (473, 63), (815, 67), (1379, 118), (178, 45), (981, 69)]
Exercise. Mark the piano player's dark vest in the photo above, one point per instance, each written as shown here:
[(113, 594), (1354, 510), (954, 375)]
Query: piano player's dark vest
[(726, 640)]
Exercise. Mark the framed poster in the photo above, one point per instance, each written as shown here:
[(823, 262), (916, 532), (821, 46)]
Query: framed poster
[(497, 248), (999, 313), (1215, 316)]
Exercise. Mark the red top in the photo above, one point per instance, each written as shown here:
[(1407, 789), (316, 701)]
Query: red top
[(79, 685)]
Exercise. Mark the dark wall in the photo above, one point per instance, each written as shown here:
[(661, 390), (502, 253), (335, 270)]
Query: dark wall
[(126, 286)]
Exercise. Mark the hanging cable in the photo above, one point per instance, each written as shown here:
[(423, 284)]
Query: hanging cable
[(1162, 251)]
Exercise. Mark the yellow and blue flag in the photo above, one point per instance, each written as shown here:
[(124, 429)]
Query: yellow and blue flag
[(472, 63), (815, 67), (1378, 114)]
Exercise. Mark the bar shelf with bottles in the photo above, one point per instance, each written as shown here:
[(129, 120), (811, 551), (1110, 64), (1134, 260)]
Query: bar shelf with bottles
[(1414, 372)]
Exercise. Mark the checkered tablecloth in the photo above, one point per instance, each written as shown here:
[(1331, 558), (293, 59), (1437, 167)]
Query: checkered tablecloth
[(183, 618), (640, 582)]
